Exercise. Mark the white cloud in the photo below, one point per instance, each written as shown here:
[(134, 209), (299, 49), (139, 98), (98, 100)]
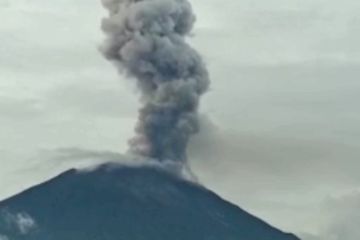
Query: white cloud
[(12, 108), (26, 171), (22, 222), (25, 223), (340, 218), (344, 217), (105, 101), (274, 177)]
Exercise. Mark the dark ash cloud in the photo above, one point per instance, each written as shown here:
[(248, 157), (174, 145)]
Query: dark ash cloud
[(147, 40)]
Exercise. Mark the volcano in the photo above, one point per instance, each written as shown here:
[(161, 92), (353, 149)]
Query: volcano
[(115, 202)]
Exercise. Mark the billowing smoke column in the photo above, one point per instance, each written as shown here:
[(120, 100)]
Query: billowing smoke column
[(146, 40)]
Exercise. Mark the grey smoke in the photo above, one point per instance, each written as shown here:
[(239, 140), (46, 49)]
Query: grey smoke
[(146, 39)]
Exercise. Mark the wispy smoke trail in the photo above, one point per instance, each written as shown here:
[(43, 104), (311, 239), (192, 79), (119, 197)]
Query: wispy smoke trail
[(146, 40)]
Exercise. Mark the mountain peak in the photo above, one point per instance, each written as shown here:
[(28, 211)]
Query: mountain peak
[(115, 202)]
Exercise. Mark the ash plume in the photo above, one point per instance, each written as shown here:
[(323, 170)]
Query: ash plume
[(146, 39)]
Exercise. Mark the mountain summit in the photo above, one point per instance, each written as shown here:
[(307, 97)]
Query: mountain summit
[(127, 203)]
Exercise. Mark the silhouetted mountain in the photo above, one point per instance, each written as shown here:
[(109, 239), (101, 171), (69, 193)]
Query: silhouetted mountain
[(127, 203)]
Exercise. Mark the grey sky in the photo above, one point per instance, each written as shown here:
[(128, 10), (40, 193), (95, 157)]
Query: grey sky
[(281, 133)]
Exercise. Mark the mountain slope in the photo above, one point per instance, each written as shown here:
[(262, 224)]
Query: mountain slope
[(127, 203)]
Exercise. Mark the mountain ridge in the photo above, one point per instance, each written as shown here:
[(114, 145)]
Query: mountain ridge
[(129, 203)]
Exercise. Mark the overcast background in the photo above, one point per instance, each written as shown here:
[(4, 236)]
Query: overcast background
[(280, 133)]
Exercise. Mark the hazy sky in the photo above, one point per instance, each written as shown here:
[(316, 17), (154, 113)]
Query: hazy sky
[(280, 131)]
